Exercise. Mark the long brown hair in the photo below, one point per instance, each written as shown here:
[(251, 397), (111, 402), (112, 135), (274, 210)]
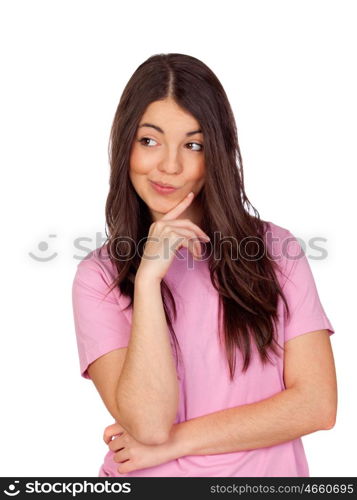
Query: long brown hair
[(248, 288)]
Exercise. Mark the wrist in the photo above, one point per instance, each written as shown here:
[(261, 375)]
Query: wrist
[(142, 278)]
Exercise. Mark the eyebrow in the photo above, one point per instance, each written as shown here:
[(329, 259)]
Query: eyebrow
[(162, 132)]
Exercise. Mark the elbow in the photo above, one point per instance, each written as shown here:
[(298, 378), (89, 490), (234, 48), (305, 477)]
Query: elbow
[(148, 429), (153, 439), (323, 410), (145, 433), (328, 418), (155, 434), (329, 422), (151, 436)]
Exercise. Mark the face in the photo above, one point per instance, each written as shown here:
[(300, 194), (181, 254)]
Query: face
[(172, 155)]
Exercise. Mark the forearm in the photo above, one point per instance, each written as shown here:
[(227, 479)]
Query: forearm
[(147, 392), (282, 417)]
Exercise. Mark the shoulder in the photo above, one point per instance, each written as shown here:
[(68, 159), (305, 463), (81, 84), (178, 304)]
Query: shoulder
[(96, 270), (276, 230), (278, 237), (283, 247)]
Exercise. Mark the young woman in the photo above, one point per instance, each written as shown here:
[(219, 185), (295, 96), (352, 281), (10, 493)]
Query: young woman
[(199, 323)]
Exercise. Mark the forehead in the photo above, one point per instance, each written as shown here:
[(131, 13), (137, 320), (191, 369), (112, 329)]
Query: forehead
[(169, 116)]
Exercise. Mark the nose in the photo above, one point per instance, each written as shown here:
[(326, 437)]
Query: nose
[(171, 163)]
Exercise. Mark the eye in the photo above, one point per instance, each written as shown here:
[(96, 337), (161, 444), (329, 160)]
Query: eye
[(188, 144), (196, 144), (145, 139)]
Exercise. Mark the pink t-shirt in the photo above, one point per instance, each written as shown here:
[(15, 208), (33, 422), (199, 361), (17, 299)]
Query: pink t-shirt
[(204, 382)]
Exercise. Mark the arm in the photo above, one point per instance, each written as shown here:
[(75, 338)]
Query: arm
[(147, 391), (307, 405), (256, 425), (280, 418)]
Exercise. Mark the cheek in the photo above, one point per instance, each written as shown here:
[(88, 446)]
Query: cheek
[(198, 172), (140, 163)]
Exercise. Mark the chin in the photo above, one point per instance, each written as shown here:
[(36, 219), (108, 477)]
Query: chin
[(159, 206)]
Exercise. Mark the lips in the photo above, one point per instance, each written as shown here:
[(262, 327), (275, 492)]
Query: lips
[(164, 185), (163, 189)]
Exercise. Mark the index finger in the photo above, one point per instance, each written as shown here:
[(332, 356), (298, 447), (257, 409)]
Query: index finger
[(180, 207), (111, 430)]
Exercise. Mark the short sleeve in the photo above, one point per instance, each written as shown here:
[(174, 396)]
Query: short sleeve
[(100, 323), (306, 311)]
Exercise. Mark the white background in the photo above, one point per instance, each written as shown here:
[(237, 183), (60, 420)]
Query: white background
[(289, 70)]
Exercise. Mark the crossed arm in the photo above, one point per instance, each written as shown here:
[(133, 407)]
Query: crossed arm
[(308, 404)]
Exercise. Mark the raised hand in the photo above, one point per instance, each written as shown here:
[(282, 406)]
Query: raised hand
[(168, 235)]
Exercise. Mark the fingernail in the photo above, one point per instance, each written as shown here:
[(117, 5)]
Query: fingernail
[(190, 194)]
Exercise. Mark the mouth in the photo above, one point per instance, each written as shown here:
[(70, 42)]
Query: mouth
[(163, 189)]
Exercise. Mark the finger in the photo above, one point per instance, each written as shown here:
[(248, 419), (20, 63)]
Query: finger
[(182, 205), (114, 435), (107, 433), (116, 444), (121, 456), (187, 239), (111, 431), (189, 224), (192, 247)]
